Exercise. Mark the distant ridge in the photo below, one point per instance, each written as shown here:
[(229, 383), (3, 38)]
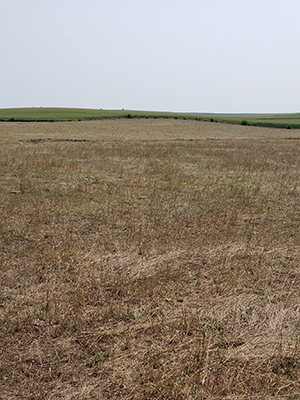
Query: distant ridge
[(34, 114)]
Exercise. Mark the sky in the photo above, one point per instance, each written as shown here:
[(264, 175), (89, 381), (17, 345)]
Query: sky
[(216, 56)]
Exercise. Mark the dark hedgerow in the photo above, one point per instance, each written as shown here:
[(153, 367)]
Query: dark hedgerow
[(244, 122)]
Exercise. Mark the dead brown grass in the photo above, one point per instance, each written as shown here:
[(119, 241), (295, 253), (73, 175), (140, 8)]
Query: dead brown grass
[(147, 265)]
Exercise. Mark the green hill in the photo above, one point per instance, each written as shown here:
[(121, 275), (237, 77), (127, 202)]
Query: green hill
[(77, 114)]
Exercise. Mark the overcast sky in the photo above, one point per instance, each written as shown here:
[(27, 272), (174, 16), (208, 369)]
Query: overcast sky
[(159, 55)]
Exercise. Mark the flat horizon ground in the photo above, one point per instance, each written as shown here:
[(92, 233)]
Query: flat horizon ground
[(149, 259)]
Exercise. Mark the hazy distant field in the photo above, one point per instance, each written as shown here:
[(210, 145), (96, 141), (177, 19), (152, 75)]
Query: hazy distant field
[(73, 114), (62, 114), (149, 259)]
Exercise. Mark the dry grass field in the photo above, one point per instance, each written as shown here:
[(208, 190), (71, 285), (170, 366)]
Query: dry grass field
[(149, 259)]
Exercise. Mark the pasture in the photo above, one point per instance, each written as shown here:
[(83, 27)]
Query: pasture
[(149, 259), (38, 114)]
